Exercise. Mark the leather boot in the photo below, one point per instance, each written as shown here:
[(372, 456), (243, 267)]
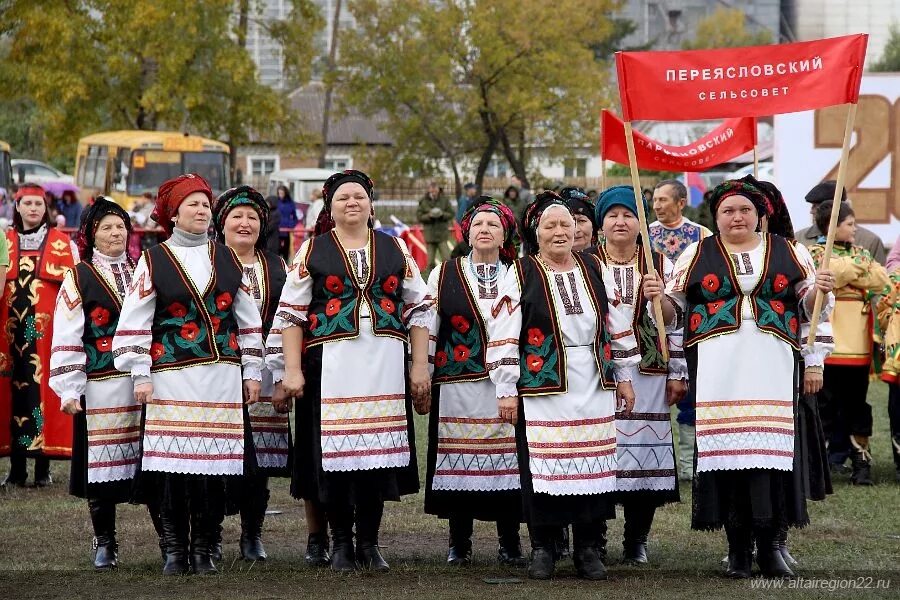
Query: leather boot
[(861, 460), (740, 553), (460, 551), (42, 472), (561, 544), (252, 516), (586, 557), (509, 548), (543, 552), (153, 509), (175, 538), (317, 554), (215, 545), (638, 519), (340, 519), (204, 527), (18, 470), (368, 524), (768, 554), (781, 539), (103, 518)]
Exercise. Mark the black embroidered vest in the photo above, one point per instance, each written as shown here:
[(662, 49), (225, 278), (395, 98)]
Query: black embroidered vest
[(542, 357), (462, 335), (336, 292), (274, 277), (101, 304), (194, 327), (714, 296)]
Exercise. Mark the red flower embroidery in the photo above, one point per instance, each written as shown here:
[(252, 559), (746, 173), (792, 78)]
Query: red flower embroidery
[(607, 351), (232, 342), (157, 350), (333, 307), (334, 284), (780, 283), (460, 353), (313, 322), (104, 344), (440, 359), (223, 301), (713, 307), (216, 321), (387, 306), (534, 363), (793, 324), (460, 323), (696, 320), (177, 310), (100, 316), (535, 337), (710, 282), (189, 331), (777, 306), (390, 284)]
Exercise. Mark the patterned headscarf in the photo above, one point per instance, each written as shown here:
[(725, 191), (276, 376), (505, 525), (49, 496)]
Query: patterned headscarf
[(90, 220), (243, 195), (779, 218), (532, 218), (325, 222), (737, 187), (172, 193), (509, 250)]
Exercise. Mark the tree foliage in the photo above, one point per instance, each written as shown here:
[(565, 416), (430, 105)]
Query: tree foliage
[(890, 56), (726, 28)]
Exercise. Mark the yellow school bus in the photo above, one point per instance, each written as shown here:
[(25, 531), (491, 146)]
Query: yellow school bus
[(5, 168), (127, 164)]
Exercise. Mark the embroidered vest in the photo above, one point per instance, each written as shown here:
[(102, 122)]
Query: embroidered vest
[(55, 258), (190, 326), (274, 277), (462, 335), (542, 358), (336, 292), (714, 296), (652, 362), (101, 305)]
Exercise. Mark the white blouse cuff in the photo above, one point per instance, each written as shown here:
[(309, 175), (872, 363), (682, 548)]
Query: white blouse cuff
[(68, 396), (815, 359), (422, 318), (140, 379), (277, 375), (506, 390), (625, 373), (677, 372), (252, 372)]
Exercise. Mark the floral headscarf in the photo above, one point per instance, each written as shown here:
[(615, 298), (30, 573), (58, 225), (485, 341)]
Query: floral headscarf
[(510, 247)]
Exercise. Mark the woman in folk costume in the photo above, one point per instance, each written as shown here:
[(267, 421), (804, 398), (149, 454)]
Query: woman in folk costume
[(472, 466), (190, 336), (889, 318), (357, 297), (745, 294), (239, 219), (646, 477), (582, 209), (562, 355), (39, 257), (107, 419)]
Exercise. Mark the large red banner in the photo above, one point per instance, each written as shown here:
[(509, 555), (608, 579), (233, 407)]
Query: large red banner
[(740, 82), (727, 141)]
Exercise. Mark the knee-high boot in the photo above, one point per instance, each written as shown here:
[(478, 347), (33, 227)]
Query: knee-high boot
[(768, 554), (368, 525), (740, 553), (340, 520), (460, 551), (509, 548), (586, 556), (638, 520), (543, 552), (103, 518), (253, 513), (175, 525), (153, 509), (204, 525), (781, 540)]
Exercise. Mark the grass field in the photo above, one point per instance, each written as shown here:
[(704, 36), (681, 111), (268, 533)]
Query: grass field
[(854, 540)]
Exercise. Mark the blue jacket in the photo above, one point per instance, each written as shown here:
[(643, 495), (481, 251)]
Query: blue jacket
[(288, 213)]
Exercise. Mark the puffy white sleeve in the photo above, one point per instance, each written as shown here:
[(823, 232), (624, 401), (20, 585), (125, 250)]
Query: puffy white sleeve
[(433, 280), (504, 328), (131, 345), (292, 310), (808, 284), (675, 333), (250, 336), (418, 301), (625, 353), (67, 357), (677, 284)]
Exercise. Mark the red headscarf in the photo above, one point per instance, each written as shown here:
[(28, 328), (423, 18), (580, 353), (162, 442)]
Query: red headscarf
[(30, 189), (172, 193)]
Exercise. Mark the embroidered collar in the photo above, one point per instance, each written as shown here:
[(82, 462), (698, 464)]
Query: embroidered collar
[(33, 238)]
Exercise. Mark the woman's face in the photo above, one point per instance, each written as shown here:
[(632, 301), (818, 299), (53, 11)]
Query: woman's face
[(194, 213), (32, 210), (620, 225), (846, 230), (584, 233), (486, 231), (241, 227), (111, 236), (556, 231), (737, 218), (351, 206), (281, 193)]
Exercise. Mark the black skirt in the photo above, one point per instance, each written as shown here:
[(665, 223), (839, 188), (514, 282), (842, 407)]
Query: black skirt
[(811, 437), (311, 482), (110, 491), (497, 505)]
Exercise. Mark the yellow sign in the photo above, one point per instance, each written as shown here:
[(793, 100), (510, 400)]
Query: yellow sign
[(138, 162), (155, 156), (183, 144)]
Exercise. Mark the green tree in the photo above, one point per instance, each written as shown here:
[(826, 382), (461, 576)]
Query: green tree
[(890, 56), (726, 28)]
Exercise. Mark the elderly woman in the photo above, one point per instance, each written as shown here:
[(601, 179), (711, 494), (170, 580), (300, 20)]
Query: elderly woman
[(745, 294), (107, 420), (562, 356), (190, 336), (239, 219), (646, 475), (357, 297), (582, 209), (472, 466), (32, 424)]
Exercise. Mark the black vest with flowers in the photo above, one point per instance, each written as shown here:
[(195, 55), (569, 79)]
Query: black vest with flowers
[(714, 297), (336, 293), (190, 326), (542, 357), (101, 305), (462, 335), (275, 276)]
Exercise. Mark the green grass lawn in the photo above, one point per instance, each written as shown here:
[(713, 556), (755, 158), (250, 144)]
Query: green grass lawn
[(45, 536)]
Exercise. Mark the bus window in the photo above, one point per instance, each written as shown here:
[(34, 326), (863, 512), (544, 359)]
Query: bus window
[(99, 180), (150, 168), (212, 166)]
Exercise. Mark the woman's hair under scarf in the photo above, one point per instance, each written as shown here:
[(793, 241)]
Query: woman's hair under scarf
[(509, 250), (90, 221), (779, 218), (737, 187), (532, 218), (243, 195), (325, 222)]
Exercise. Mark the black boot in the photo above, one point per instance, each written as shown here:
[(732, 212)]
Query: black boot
[(768, 554), (638, 519), (895, 448), (509, 548), (740, 553), (204, 526), (42, 472), (18, 470), (340, 519), (252, 516), (317, 550), (561, 544), (543, 551), (153, 509), (460, 551), (103, 518), (602, 539), (215, 545), (368, 524), (861, 460), (586, 557), (175, 539), (781, 540)]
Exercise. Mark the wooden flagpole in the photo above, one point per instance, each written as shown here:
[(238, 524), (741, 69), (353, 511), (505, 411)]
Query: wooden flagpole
[(645, 237), (832, 224), (755, 163)]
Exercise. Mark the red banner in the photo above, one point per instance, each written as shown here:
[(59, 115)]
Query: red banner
[(740, 82), (727, 141)]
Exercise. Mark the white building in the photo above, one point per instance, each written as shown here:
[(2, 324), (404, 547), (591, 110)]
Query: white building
[(830, 18)]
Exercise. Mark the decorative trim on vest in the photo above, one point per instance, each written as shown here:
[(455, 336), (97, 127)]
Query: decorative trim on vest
[(101, 305), (274, 277), (55, 256), (461, 337)]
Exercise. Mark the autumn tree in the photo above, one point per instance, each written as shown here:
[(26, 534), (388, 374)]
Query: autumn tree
[(890, 56), (726, 28)]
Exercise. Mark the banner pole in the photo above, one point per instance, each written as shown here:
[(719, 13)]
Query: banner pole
[(645, 237), (755, 163), (832, 224)]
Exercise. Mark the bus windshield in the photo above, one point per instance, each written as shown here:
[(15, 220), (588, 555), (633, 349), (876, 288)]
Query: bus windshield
[(150, 168)]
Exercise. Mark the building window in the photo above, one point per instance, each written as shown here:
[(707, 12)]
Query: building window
[(497, 168), (338, 163), (575, 167), (261, 166)]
